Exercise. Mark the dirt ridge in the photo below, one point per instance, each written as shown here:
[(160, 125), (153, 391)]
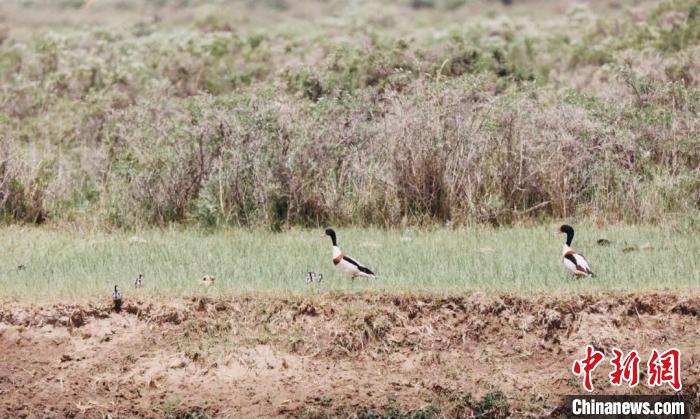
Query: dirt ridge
[(344, 355), (178, 310)]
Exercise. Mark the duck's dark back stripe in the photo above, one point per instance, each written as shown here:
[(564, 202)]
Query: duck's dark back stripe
[(572, 259), (360, 267), (351, 260), (570, 256), (366, 270)]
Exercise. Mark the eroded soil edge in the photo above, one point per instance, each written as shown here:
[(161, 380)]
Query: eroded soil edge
[(333, 355)]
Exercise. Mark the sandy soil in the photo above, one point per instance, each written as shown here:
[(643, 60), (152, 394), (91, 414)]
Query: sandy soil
[(328, 356)]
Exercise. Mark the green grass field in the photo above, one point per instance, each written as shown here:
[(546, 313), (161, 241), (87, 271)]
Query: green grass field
[(73, 264)]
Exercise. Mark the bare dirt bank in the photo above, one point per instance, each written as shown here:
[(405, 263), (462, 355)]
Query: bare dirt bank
[(328, 356)]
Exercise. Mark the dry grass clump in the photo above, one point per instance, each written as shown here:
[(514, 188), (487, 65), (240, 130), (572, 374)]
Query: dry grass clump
[(216, 126), (21, 189)]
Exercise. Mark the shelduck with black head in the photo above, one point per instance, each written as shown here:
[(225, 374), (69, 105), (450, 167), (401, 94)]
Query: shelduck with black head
[(345, 263), (574, 262)]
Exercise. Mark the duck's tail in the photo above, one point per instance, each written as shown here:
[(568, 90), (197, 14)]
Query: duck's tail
[(367, 273)]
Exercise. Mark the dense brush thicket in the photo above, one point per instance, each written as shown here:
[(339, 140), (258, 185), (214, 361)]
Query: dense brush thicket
[(480, 124)]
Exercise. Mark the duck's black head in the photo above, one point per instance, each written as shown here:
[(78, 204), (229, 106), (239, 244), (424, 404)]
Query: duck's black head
[(569, 231), (330, 232)]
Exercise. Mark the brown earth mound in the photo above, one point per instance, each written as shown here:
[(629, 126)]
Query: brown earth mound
[(328, 356)]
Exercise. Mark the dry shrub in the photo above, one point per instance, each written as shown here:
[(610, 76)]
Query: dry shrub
[(228, 128), (450, 153), (22, 190), (158, 165)]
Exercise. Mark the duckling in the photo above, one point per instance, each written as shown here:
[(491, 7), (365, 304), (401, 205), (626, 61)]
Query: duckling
[(314, 277), (117, 299), (138, 281), (207, 280)]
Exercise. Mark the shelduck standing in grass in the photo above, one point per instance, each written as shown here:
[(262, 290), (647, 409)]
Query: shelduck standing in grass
[(345, 263), (574, 262)]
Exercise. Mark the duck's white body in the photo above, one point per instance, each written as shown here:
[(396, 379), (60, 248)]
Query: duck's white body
[(349, 266), (575, 263)]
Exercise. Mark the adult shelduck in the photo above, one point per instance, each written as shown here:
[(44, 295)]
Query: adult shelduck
[(345, 263), (574, 262), (138, 282)]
